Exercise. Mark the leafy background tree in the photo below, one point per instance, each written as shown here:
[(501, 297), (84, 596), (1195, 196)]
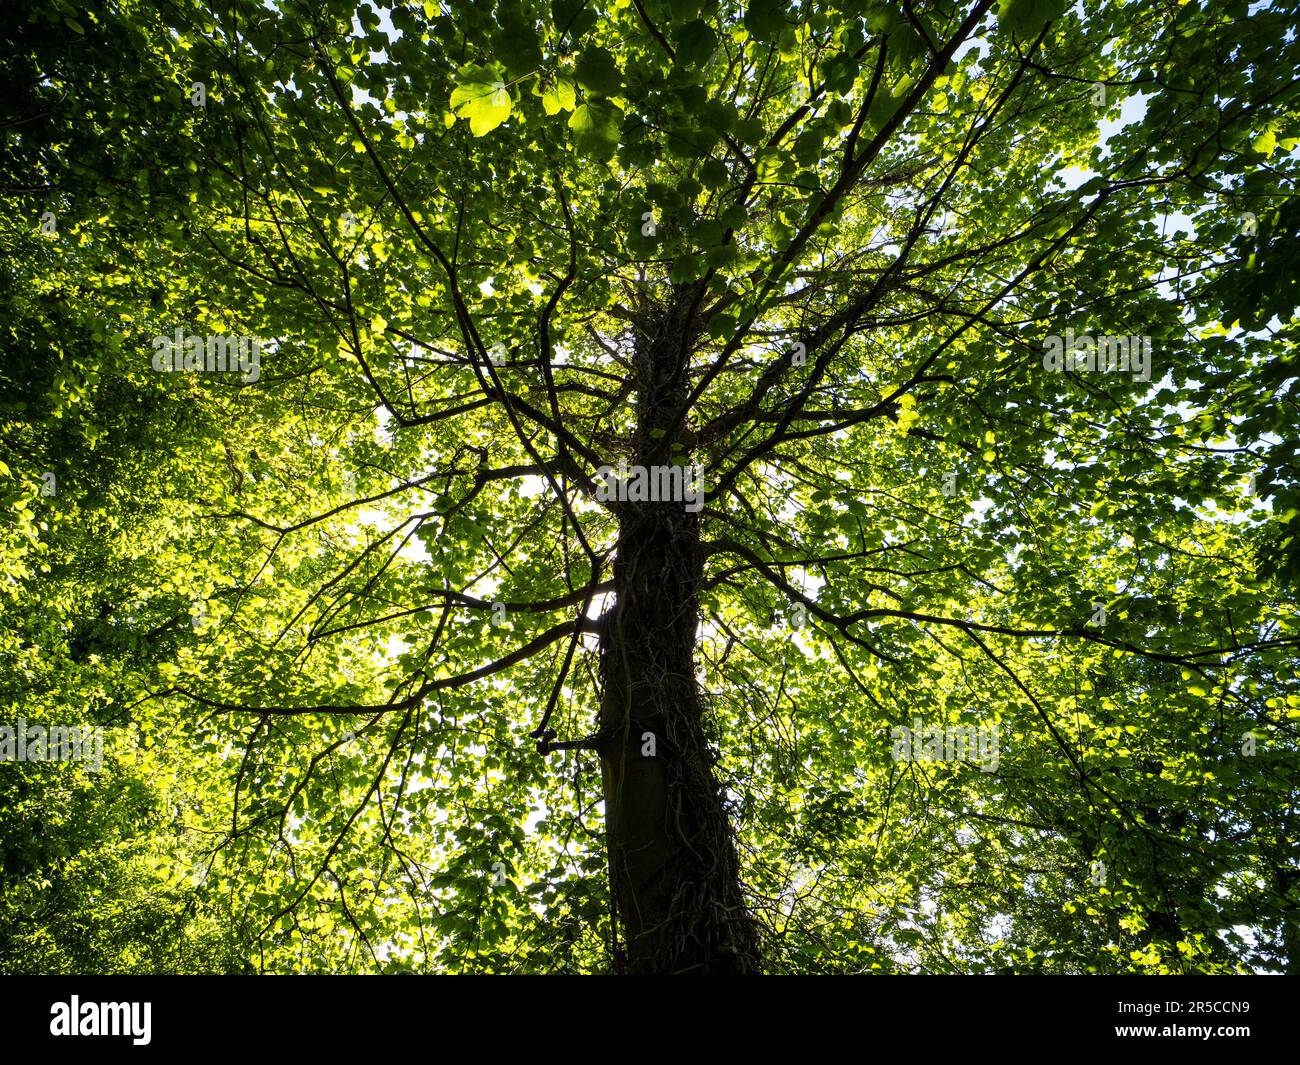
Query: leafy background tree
[(381, 673)]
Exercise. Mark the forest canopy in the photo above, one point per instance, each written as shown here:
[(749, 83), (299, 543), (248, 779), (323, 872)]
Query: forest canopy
[(649, 486)]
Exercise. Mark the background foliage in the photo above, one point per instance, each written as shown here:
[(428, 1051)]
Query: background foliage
[(276, 596)]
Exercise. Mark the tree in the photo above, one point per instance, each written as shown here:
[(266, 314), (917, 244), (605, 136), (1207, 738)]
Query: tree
[(942, 306)]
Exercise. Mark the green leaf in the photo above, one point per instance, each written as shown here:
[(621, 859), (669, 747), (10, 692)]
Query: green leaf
[(765, 19), (597, 72), (481, 96), (734, 216), (695, 43), (596, 128), (1026, 18), (722, 326), (518, 47), (573, 17), (714, 174), (559, 96)]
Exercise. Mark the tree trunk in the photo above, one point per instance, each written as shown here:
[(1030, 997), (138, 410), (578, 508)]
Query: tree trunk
[(673, 867)]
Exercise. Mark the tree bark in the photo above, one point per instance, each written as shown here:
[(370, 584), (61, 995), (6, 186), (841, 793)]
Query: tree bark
[(673, 866)]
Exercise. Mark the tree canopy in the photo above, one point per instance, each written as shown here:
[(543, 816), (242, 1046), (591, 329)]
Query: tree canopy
[(976, 324)]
